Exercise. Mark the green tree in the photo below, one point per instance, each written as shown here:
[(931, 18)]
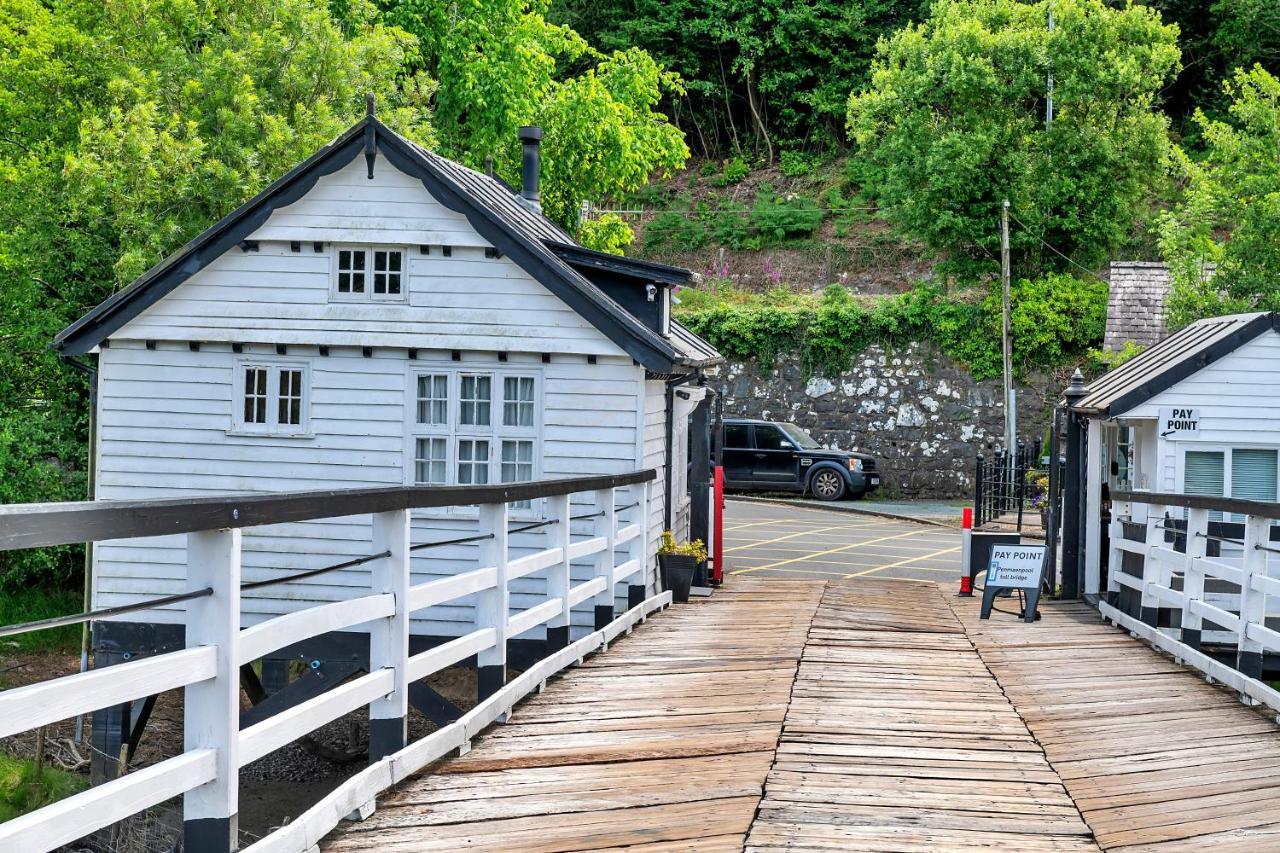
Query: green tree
[(953, 123), (759, 75), (500, 64), (1222, 241), (126, 127)]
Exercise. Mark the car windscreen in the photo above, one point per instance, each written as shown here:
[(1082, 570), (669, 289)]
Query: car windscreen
[(800, 437)]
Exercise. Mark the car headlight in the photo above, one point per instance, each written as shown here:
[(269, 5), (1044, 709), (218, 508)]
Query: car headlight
[(855, 464)]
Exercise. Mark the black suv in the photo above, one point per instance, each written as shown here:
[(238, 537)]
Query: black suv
[(767, 456)]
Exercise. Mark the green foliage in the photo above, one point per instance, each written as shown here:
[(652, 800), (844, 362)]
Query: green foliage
[(696, 549), (130, 125), (28, 605), (1222, 242), (1055, 320), (673, 229), (606, 234), (754, 71), (775, 219), (735, 170), (952, 123), (796, 164), (501, 64), (23, 789)]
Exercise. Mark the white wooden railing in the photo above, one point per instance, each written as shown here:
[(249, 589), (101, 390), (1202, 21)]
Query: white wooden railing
[(215, 748), (1178, 575)]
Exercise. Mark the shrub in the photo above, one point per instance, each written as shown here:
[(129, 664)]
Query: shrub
[(796, 164), (676, 230), (606, 234), (776, 220), (735, 170)]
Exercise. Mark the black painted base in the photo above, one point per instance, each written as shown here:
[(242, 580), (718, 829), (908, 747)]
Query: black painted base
[(604, 615), (489, 680), (557, 638), (209, 835), (635, 595), (1250, 664), (387, 736), (1151, 616), (1191, 637)]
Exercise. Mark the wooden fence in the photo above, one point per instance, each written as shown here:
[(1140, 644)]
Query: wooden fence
[(208, 668), (1191, 575)]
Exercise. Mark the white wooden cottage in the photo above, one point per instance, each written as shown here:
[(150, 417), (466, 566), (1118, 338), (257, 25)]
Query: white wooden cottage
[(381, 316), (1198, 413)]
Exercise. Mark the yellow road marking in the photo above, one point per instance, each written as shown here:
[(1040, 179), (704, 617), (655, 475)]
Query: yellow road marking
[(824, 553), (905, 562), (783, 538), (753, 524)]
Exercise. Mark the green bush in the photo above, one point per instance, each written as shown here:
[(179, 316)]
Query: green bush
[(1055, 320), (22, 790), (796, 164), (708, 168), (735, 170), (674, 229), (776, 220)]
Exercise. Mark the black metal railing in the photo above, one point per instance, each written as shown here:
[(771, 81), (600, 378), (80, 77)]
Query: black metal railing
[(1005, 491)]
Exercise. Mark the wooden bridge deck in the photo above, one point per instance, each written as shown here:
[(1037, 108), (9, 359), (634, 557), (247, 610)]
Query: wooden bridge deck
[(855, 716)]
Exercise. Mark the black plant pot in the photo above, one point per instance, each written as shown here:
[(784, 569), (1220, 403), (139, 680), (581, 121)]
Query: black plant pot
[(677, 574)]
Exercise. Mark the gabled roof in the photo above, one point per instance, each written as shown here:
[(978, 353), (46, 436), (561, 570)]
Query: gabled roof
[(1172, 360), (492, 209)]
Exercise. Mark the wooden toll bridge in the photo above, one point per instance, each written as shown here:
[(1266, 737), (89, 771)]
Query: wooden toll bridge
[(850, 715)]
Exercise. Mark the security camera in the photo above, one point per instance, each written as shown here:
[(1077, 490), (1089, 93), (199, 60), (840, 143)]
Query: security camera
[(651, 291)]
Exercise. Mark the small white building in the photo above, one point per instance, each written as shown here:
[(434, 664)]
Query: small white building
[(381, 316), (1198, 413)]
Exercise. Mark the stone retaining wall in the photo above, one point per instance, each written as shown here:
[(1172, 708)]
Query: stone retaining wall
[(924, 416)]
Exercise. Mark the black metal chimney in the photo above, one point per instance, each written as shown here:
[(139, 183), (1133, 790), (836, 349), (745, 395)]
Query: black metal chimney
[(530, 138)]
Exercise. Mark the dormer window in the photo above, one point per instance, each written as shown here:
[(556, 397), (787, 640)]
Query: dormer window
[(369, 273)]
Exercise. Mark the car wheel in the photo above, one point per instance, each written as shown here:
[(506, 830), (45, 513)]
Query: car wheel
[(827, 485)]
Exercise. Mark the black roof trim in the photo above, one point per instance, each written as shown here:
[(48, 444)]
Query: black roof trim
[(1169, 362), (121, 307), (641, 343), (647, 271)]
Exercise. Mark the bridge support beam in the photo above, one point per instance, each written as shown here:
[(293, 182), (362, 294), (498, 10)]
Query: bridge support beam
[(389, 637), (493, 608)]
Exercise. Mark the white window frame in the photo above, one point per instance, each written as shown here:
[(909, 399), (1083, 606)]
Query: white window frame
[(272, 427), (368, 296), (1226, 451), (495, 432)]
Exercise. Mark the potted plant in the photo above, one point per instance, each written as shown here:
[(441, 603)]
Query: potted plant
[(679, 561)]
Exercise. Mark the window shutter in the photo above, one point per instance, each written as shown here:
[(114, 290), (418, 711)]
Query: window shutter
[(1204, 473)]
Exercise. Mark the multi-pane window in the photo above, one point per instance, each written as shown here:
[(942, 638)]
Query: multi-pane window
[(369, 273), (272, 398), (473, 427), (473, 461), (517, 401), (387, 271), (1238, 472), (351, 270), (255, 395), (433, 399), (431, 461), (475, 399)]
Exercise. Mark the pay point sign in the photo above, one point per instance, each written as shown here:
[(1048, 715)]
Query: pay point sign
[(1014, 567)]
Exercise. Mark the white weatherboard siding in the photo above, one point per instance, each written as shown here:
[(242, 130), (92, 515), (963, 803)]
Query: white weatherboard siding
[(1239, 401), (274, 295), (164, 421), (655, 455)]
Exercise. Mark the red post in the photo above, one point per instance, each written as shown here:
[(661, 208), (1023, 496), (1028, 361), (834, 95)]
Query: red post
[(717, 522), (966, 537)]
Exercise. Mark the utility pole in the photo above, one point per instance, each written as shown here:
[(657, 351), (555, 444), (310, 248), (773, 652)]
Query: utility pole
[(1048, 104), (1010, 403)]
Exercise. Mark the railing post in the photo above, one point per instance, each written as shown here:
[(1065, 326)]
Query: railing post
[(1257, 531), (1150, 613), (977, 492), (1193, 576), (606, 522), (493, 605), (1115, 560), (211, 709), (389, 637), (559, 579), (638, 592)]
